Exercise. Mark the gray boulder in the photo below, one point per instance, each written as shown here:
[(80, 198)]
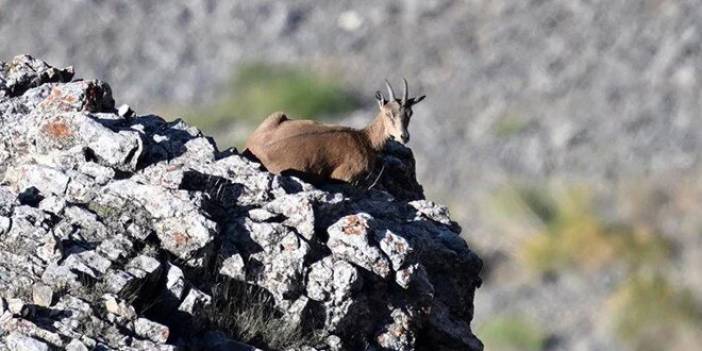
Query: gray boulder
[(125, 231)]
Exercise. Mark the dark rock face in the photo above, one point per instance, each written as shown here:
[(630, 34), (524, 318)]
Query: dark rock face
[(116, 231)]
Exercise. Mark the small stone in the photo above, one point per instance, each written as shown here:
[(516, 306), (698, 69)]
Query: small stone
[(184, 236), (111, 304), (88, 262), (42, 295), (175, 282), (125, 111), (194, 302), (5, 317), (299, 212), (398, 334), (18, 307), (432, 211), (334, 343), (100, 174), (348, 240), (19, 342), (4, 225), (48, 180), (297, 309), (234, 267), (115, 248), (395, 247), (117, 281), (137, 231), (59, 277), (260, 215), (80, 189), (49, 249), (118, 308), (111, 149), (349, 21), (153, 331), (346, 279), (144, 267), (53, 204), (76, 345), (319, 279)]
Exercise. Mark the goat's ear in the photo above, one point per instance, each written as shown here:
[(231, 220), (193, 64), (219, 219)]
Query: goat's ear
[(418, 99), (381, 99)]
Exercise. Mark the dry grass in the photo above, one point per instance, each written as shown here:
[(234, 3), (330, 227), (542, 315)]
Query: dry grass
[(247, 313), (564, 230), (639, 230), (650, 314)]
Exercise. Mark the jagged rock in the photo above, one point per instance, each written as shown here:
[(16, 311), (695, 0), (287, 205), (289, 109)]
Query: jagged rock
[(194, 302), (125, 111), (24, 72), (144, 268), (88, 263), (118, 281), (4, 225), (59, 277), (18, 307), (175, 282), (153, 331), (117, 231), (76, 345), (42, 295), (349, 239), (19, 342), (118, 308)]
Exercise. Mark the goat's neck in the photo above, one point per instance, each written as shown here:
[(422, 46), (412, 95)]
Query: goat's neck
[(375, 132)]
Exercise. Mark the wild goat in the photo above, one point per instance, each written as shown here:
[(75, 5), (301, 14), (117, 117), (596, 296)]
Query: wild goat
[(322, 151)]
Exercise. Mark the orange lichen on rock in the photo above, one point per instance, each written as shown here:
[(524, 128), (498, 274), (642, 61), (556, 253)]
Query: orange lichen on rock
[(58, 129), (355, 226)]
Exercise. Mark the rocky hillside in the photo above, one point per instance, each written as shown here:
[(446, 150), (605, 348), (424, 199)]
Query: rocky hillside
[(604, 93), (124, 231)]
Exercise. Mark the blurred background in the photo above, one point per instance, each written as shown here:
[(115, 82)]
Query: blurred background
[(565, 136)]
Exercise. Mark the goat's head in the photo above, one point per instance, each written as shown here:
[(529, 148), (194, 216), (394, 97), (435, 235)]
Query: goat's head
[(396, 113)]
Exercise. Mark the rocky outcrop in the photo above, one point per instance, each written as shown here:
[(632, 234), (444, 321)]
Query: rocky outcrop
[(125, 231)]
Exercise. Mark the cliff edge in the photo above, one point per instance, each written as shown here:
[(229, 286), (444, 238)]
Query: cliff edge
[(125, 231)]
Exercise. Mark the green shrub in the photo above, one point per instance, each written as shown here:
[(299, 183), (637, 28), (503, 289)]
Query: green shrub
[(257, 90), (564, 230), (261, 89), (509, 126), (506, 333), (651, 314)]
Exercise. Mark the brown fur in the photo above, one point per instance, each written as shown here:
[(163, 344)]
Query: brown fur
[(325, 151)]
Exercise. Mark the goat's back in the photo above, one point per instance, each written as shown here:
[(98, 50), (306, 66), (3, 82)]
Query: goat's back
[(311, 147)]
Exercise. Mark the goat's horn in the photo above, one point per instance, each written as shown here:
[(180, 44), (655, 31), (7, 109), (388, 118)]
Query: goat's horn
[(379, 96), (390, 91), (405, 91)]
